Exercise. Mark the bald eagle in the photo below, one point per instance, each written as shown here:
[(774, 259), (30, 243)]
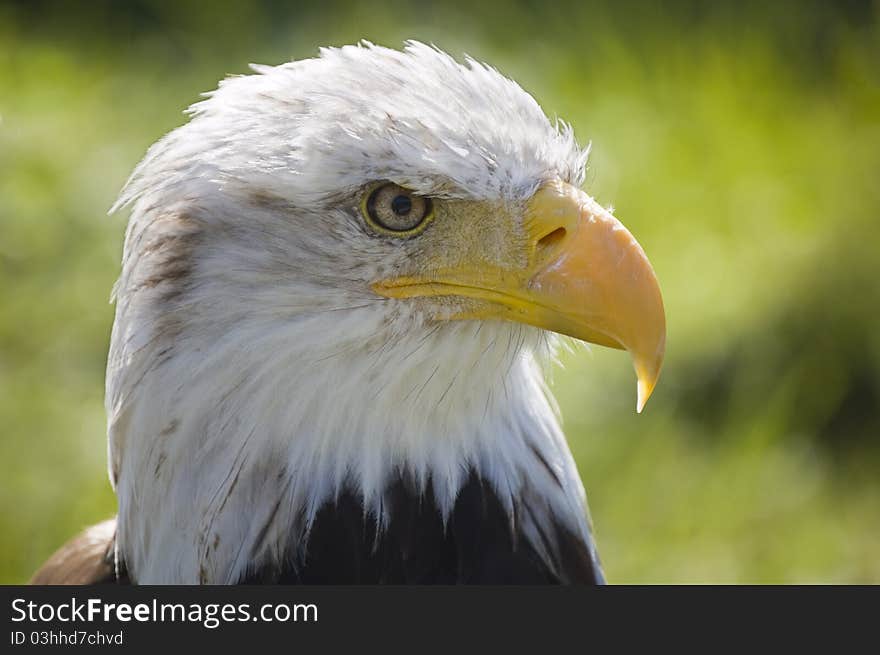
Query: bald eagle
[(341, 280)]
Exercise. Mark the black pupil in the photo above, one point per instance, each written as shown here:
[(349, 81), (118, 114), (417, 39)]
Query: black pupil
[(401, 205)]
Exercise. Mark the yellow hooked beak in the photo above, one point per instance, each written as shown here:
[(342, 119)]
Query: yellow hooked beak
[(585, 276)]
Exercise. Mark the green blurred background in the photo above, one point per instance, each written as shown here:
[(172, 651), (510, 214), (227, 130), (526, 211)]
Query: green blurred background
[(741, 145)]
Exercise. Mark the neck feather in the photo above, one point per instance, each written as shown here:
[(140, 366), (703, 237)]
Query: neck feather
[(224, 448)]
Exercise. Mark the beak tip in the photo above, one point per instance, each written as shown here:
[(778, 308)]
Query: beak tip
[(645, 389), (642, 399)]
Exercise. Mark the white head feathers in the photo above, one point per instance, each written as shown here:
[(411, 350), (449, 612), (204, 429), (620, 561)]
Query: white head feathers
[(252, 371)]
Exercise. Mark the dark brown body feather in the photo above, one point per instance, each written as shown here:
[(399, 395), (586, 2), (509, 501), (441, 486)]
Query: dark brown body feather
[(480, 543), (84, 560)]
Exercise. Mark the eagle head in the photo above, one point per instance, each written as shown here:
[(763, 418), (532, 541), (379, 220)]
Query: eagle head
[(346, 271)]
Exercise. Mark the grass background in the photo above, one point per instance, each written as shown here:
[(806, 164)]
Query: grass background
[(740, 144)]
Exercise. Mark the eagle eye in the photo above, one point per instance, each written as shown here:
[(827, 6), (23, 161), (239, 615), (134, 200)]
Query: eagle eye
[(392, 210)]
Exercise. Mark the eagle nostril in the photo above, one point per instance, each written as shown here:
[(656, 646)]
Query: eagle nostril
[(548, 242)]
